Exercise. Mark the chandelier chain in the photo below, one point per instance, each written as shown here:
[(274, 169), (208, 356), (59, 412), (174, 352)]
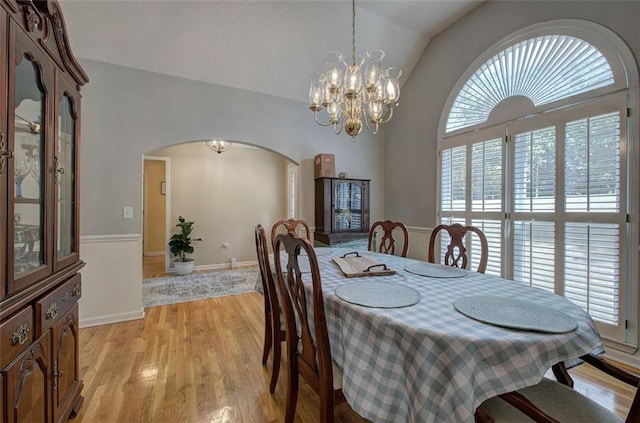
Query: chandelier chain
[(353, 32)]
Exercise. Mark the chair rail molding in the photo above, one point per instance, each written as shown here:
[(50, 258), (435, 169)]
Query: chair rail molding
[(110, 238)]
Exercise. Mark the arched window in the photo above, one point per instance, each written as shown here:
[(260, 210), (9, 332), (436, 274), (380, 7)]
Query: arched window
[(542, 70), (539, 149)]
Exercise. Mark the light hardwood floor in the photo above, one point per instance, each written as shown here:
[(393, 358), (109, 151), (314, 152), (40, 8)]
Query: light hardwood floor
[(201, 362)]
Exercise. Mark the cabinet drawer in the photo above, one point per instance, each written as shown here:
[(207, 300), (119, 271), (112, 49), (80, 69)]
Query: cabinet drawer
[(55, 304), (16, 335)]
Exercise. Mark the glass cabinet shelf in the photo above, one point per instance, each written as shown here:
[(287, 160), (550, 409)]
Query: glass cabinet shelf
[(23, 200)]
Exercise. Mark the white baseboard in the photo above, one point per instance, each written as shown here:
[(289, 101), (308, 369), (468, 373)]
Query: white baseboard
[(226, 265), (113, 318), (221, 266)]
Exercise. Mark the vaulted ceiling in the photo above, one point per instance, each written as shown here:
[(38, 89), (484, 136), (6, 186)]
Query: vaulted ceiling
[(270, 47)]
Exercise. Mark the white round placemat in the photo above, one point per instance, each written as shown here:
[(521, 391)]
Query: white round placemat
[(378, 294), (435, 270), (515, 314)]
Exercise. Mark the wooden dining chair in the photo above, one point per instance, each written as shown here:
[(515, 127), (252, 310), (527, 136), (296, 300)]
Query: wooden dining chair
[(274, 332), (308, 350), (290, 225), (456, 254), (551, 401), (387, 243)]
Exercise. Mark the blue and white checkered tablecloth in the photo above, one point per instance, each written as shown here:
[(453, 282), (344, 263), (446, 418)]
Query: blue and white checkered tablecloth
[(428, 362)]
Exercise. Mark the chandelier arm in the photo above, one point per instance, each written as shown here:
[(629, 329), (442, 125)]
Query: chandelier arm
[(315, 116), (375, 128), (335, 126), (388, 118)]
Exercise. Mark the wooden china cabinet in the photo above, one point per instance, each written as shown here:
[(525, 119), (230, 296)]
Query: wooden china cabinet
[(342, 210), (39, 186)]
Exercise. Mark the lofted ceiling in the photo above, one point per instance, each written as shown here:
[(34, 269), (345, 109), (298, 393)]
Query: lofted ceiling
[(270, 47)]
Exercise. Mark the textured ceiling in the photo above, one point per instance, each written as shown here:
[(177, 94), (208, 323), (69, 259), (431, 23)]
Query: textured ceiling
[(270, 47)]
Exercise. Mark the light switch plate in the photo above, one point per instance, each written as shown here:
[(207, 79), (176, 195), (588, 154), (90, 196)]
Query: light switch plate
[(127, 212)]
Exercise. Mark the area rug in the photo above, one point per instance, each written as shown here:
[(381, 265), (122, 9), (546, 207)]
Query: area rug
[(198, 286)]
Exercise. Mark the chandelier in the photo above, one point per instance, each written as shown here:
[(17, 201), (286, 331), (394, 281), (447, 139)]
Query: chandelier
[(349, 96), (218, 146)]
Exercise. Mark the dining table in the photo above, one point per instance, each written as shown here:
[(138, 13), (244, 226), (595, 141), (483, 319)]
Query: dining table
[(429, 343)]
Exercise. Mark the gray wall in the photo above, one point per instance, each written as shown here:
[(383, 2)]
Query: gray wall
[(411, 137), (220, 194), (127, 112)]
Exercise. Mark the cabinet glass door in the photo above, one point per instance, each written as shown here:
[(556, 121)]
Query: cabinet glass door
[(27, 178), (347, 207), (65, 180), (29, 107)]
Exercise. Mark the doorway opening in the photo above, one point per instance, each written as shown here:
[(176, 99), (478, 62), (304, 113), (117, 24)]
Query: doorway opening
[(155, 212)]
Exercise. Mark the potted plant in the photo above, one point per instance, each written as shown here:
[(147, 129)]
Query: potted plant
[(180, 246)]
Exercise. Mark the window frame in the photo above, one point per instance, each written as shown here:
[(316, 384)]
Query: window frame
[(624, 96)]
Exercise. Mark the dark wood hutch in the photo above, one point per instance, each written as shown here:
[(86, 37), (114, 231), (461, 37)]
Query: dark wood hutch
[(342, 210), (39, 198)]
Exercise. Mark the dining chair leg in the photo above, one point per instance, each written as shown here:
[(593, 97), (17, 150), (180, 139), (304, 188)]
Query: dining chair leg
[(292, 394), (275, 371), (268, 338), (562, 375), (326, 407)]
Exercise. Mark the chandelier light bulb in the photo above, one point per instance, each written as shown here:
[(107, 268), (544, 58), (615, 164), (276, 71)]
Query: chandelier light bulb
[(348, 93)]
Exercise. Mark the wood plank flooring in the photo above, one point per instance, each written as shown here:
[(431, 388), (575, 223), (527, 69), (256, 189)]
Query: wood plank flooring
[(200, 361), (189, 362)]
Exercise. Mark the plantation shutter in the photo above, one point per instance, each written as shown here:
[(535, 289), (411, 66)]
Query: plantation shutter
[(453, 179), (534, 198), (486, 202), (592, 202)]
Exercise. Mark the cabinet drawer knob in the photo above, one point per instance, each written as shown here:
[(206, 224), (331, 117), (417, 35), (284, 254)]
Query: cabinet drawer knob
[(52, 311), (19, 337), (75, 291)]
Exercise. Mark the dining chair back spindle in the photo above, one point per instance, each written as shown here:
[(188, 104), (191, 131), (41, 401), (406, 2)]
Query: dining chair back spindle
[(308, 349), (552, 402), (274, 332), (381, 237), (295, 226), (456, 253)]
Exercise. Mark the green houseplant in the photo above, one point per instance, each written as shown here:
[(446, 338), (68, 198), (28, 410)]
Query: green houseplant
[(180, 246)]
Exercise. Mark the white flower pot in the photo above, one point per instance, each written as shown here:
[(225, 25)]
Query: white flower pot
[(184, 267)]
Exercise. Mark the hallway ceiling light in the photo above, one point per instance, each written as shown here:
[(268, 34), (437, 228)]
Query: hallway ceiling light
[(348, 97), (218, 145)]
